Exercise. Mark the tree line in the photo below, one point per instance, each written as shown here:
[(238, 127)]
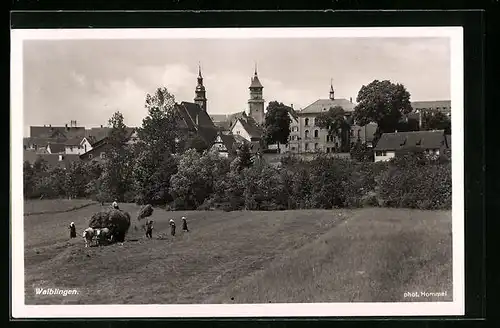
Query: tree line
[(169, 167)]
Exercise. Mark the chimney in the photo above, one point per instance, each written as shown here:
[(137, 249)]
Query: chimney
[(101, 125), (350, 99), (291, 105)]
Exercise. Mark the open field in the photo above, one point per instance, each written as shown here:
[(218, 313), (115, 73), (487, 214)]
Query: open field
[(362, 255)]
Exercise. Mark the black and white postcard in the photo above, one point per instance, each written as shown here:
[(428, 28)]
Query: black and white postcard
[(256, 172)]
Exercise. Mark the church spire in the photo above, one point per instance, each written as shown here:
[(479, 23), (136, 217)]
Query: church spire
[(332, 92), (200, 97)]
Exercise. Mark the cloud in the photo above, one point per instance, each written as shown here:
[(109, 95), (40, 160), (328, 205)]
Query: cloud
[(79, 79)]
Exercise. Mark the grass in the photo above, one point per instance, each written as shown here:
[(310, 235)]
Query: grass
[(362, 255), (33, 207)]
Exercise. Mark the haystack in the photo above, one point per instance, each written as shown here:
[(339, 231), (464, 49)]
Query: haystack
[(117, 221), (145, 212)]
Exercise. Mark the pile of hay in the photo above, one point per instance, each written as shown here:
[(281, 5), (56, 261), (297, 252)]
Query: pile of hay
[(117, 221), (145, 212)]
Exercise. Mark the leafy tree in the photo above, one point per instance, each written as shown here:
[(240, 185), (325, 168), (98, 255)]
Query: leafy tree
[(277, 123), (152, 173), (161, 99), (337, 125), (29, 180), (408, 125), (160, 128), (77, 178), (436, 121), (384, 103), (196, 142), (116, 179), (361, 152), (196, 178), (244, 157), (118, 134)]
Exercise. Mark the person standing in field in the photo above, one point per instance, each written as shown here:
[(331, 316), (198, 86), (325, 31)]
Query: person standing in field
[(72, 230), (184, 224), (172, 227), (149, 229), (115, 205)]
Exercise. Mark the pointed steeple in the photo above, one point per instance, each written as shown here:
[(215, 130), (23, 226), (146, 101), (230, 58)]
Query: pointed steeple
[(200, 97), (255, 83), (332, 92)]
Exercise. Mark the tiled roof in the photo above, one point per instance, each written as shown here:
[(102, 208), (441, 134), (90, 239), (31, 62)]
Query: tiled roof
[(435, 104), (73, 141), (57, 148), (51, 159), (250, 125), (228, 140), (41, 142), (97, 133), (416, 139), (255, 82), (54, 131), (322, 105), (197, 119), (293, 112)]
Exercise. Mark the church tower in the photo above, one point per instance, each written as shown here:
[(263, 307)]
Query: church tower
[(256, 102), (200, 97), (332, 92)]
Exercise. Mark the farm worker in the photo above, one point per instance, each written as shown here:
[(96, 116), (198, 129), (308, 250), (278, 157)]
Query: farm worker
[(72, 230), (149, 229), (172, 227), (184, 224), (115, 205)]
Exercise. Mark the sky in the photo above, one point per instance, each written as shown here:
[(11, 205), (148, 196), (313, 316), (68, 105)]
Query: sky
[(89, 80)]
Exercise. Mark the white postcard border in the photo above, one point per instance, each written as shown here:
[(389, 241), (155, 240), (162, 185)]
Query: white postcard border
[(20, 310)]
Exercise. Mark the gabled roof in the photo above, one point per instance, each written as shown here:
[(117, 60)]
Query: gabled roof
[(415, 139), (74, 141), (54, 131), (293, 113), (97, 133), (323, 105), (228, 140), (197, 119), (253, 129), (41, 142), (57, 148), (51, 159), (434, 104)]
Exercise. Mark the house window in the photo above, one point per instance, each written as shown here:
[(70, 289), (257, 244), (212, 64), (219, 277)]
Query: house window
[(352, 133), (103, 155), (381, 153), (306, 146), (90, 156), (316, 134), (238, 132), (307, 134), (327, 149), (316, 146), (306, 122), (85, 148)]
